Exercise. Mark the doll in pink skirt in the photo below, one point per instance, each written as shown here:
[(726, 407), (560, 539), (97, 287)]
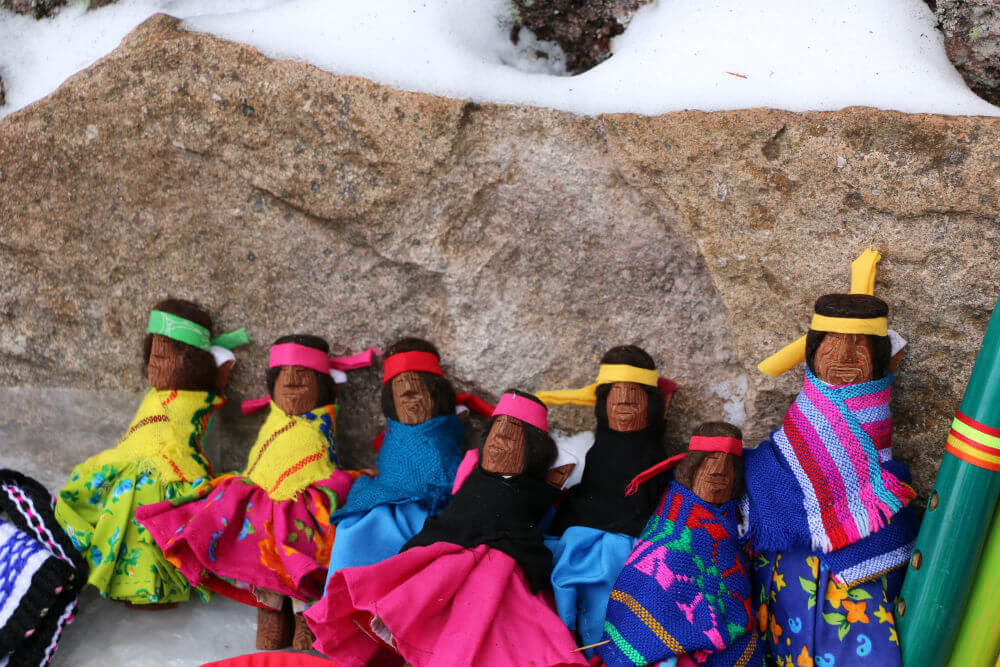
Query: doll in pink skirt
[(268, 527), (467, 590)]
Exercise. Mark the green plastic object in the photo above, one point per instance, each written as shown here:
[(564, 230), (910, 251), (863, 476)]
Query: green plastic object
[(978, 641), (948, 549)]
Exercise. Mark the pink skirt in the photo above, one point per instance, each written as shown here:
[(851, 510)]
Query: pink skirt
[(441, 605), (233, 529)]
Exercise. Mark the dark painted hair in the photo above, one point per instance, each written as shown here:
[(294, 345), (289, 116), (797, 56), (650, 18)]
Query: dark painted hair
[(199, 368), (638, 357), (327, 387), (540, 450), (442, 393), (861, 306), (684, 473)]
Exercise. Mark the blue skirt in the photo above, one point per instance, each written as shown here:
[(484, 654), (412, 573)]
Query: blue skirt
[(807, 617), (586, 564), (376, 535)]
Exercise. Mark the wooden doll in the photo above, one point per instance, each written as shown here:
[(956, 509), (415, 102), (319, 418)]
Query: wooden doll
[(596, 524), (826, 502), (419, 454), (269, 526), (159, 458), (685, 589), (465, 590)]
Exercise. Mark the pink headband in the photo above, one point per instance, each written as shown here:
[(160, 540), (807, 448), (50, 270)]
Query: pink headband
[(524, 409), (293, 354)]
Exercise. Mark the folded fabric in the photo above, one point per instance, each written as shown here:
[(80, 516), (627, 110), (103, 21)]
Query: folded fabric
[(41, 577)]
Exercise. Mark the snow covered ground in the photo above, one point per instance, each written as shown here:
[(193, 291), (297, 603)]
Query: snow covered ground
[(677, 54)]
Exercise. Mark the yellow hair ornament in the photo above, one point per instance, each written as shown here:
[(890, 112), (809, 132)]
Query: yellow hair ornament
[(587, 396), (862, 282)]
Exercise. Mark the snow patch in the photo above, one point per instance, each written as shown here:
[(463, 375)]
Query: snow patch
[(675, 55)]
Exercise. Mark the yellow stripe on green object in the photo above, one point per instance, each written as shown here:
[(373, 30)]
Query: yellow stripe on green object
[(990, 459), (647, 618), (984, 439)]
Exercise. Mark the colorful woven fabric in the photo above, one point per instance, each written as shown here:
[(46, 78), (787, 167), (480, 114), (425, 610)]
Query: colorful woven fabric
[(270, 527), (159, 459), (416, 463), (41, 574), (685, 589), (293, 451), (819, 482), (442, 605), (806, 617)]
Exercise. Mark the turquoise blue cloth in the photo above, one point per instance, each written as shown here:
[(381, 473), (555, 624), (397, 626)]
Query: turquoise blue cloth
[(376, 535), (586, 563), (416, 464)]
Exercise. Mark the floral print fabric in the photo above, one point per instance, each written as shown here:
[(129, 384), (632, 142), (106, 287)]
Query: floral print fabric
[(809, 619)]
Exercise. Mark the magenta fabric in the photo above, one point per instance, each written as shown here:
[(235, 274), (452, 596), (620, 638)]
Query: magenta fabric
[(443, 605), (524, 409), (236, 530), (467, 465)]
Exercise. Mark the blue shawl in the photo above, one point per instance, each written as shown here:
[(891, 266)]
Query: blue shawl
[(416, 464)]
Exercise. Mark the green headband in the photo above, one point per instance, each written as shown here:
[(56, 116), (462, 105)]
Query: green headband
[(193, 334)]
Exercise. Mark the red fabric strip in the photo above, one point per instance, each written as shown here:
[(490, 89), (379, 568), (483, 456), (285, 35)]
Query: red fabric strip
[(702, 443), (476, 404), (410, 361)]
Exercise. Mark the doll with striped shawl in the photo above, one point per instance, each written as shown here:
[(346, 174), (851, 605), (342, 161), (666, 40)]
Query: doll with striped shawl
[(826, 503)]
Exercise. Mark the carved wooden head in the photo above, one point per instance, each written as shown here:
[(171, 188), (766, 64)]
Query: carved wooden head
[(619, 412), (716, 477), (296, 390), (513, 447), (840, 359), (406, 401), (628, 407), (169, 364), (844, 359), (504, 449), (411, 398)]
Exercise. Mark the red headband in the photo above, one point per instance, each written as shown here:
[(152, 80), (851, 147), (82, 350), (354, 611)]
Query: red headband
[(716, 443), (698, 443), (410, 361)]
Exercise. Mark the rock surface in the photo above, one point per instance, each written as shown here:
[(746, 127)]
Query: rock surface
[(972, 39), (38, 8), (583, 29), (524, 241)]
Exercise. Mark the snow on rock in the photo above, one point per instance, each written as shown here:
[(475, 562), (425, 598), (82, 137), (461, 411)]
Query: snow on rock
[(676, 54)]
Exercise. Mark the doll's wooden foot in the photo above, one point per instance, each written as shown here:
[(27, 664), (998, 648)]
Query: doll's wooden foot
[(304, 637), (150, 607), (275, 627)]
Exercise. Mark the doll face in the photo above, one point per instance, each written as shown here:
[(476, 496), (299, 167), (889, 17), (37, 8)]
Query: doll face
[(628, 407), (412, 399), (503, 451), (844, 359), (296, 389), (165, 369), (715, 478)]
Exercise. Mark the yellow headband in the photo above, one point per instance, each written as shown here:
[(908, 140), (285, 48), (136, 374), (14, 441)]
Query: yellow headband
[(862, 282), (608, 373)]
